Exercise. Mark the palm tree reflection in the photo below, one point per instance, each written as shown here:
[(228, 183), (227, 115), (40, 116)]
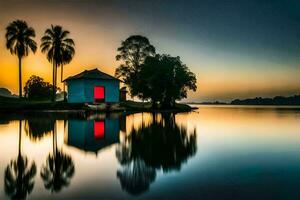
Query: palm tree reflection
[(163, 144), (19, 175), (59, 168)]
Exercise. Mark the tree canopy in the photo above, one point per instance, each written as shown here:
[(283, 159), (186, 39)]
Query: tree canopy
[(149, 76), (19, 38), (36, 88), (20, 41), (133, 52), (164, 79), (59, 49)]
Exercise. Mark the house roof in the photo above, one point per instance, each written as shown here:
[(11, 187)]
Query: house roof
[(92, 74)]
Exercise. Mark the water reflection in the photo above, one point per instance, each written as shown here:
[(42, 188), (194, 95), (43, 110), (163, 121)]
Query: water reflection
[(59, 168), (19, 174), (37, 128), (142, 149), (136, 176), (161, 144), (94, 133)]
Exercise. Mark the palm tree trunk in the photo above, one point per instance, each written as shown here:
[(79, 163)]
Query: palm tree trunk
[(61, 73), (53, 82), (61, 80), (20, 77)]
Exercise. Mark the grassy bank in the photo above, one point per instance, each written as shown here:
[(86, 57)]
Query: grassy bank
[(20, 105), (15, 104)]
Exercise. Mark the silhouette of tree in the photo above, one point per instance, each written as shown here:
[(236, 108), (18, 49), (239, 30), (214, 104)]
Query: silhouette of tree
[(19, 41), (165, 79), (37, 128), (160, 145), (58, 170), (133, 52), (37, 89), (19, 175), (60, 50)]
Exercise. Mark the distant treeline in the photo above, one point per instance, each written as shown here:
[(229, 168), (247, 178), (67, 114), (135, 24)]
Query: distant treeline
[(211, 103), (279, 100)]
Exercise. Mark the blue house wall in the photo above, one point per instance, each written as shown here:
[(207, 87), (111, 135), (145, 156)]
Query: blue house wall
[(82, 90), (76, 92)]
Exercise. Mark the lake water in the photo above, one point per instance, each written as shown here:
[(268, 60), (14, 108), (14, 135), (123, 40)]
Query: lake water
[(215, 152)]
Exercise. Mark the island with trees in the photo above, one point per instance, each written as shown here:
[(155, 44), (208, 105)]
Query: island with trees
[(278, 100)]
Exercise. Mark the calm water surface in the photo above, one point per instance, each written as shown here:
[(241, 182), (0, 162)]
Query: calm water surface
[(211, 153)]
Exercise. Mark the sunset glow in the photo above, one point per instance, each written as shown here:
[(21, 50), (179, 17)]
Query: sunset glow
[(230, 59)]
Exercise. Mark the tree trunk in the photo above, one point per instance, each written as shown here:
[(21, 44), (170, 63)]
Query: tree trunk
[(154, 105), (53, 78), (61, 80), (61, 73), (20, 77), (54, 81)]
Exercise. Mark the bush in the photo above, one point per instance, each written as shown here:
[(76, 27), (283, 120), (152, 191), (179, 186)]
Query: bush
[(37, 89)]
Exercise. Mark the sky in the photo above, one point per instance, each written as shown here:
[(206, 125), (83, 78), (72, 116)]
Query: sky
[(236, 48)]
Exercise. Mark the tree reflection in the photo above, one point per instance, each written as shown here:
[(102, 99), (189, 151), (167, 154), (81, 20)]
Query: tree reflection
[(19, 174), (136, 177), (163, 144), (59, 168), (37, 128)]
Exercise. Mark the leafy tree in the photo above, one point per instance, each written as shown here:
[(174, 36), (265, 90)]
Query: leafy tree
[(133, 52), (19, 40), (165, 79), (60, 50), (36, 88)]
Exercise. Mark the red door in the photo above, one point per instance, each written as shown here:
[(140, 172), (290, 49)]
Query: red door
[(99, 129), (99, 94)]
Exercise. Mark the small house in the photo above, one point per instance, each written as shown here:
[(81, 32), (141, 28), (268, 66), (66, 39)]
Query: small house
[(93, 86)]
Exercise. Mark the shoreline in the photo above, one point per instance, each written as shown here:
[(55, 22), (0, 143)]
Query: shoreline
[(64, 107)]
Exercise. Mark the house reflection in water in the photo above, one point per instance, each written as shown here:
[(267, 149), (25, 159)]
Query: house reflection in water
[(96, 132)]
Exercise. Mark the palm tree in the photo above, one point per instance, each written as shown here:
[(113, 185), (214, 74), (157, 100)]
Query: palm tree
[(58, 170), (19, 41), (67, 58), (19, 176), (60, 50)]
